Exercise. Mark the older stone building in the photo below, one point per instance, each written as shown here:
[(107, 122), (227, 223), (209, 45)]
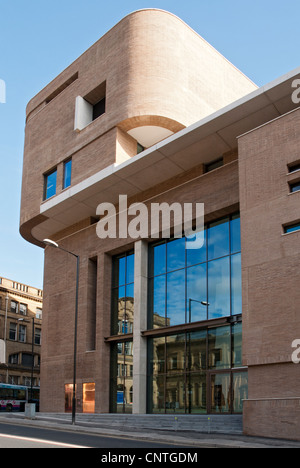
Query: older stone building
[(20, 325), (153, 112)]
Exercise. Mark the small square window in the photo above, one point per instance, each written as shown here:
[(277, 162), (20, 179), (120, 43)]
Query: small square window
[(295, 187), (50, 184), (294, 167)]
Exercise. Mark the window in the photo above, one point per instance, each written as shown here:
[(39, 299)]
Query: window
[(50, 184), (23, 309), (90, 107), (121, 395), (99, 109), (26, 359), (67, 173), (197, 372), (123, 295), (195, 285), (22, 333), (292, 228), (13, 331), (37, 336), (295, 187), (294, 167), (14, 307), (14, 359), (39, 313)]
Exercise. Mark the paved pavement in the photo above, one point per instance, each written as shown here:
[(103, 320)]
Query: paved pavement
[(190, 439)]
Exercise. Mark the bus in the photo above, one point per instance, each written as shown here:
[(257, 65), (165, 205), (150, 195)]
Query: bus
[(14, 397)]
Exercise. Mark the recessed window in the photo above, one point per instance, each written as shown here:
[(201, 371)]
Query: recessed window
[(292, 228), (90, 107), (294, 167), (50, 184), (214, 165), (67, 173), (295, 187), (99, 109)]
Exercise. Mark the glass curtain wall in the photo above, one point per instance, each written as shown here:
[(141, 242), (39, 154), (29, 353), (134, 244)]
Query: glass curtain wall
[(199, 371), (121, 385), (195, 285)]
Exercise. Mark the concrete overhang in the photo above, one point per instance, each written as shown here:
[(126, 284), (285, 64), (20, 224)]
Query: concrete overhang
[(202, 142)]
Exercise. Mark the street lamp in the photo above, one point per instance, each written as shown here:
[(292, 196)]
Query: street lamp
[(51, 243), (204, 303)]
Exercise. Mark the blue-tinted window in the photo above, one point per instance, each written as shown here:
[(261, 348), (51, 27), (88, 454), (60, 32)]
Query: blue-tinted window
[(292, 228), (123, 295), (67, 173), (218, 239), (295, 187), (50, 185), (196, 285), (219, 288), (235, 234), (176, 298)]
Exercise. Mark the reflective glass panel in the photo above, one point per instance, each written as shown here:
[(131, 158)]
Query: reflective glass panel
[(236, 284), (122, 270), (218, 239), (176, 353), (123, 295), (67, 173), (219, 288), (235, 234), (196, 293), (196, 351), (195, 256), (219, 348), (159, 253), (129, 269), (237, 355), (196, 393), (175, 393), (50, 185), (159, 302), (240, 390), (220, 393), (176, 298), (176, 254)]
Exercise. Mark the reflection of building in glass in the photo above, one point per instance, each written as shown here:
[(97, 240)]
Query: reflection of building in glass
[(125, 356)]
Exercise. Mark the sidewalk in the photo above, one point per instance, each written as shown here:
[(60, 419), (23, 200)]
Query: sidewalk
[(190, 439)]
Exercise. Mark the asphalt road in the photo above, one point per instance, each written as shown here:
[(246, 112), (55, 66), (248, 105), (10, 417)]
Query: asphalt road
[(19, 436)]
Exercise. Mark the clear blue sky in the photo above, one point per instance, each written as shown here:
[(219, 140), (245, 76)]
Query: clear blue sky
[(39, 39)]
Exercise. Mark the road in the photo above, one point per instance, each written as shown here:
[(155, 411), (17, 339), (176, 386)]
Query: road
[(19, 436)]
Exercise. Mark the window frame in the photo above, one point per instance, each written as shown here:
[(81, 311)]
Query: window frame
[(47, 196)]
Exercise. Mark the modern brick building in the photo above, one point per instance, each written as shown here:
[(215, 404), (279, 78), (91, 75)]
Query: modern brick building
[(153, 112)]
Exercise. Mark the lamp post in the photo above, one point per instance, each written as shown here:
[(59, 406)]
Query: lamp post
[(51, 243), (204, 303)]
